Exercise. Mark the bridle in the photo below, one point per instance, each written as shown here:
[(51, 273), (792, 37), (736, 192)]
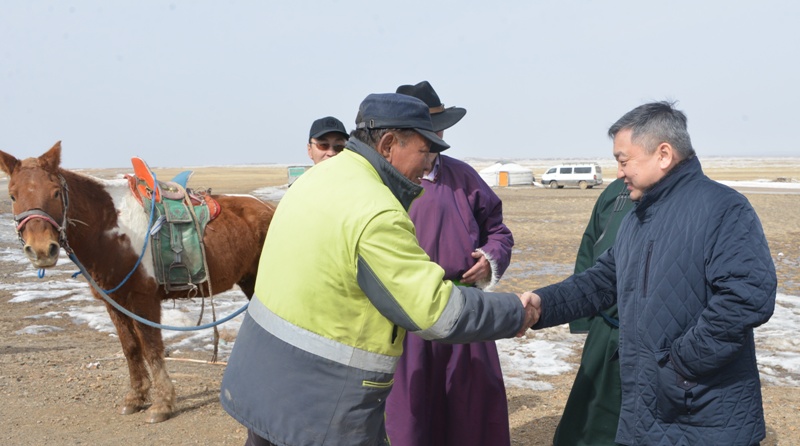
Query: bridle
[(32, 214)]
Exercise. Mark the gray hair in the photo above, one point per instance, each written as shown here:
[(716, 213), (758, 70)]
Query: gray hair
[(655, 123)]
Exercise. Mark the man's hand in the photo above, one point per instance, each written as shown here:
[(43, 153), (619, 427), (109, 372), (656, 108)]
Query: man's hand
[(480, 271), (533, 309)]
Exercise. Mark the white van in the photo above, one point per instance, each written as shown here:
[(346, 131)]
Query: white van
[(583, 175)]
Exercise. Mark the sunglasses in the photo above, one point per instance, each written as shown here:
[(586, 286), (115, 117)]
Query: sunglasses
[(325, 146)]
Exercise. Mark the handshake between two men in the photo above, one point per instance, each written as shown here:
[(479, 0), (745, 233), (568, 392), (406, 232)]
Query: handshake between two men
[(533, 309)]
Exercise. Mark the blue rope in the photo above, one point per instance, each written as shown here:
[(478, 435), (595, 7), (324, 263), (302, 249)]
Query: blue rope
[(144, 247), (146, 237), (104, 293), (137, 318)]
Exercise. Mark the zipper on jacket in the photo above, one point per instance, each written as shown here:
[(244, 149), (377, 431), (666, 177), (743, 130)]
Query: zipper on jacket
[(647, 267)]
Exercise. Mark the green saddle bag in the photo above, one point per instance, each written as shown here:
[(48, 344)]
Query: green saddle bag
[(177, 243)]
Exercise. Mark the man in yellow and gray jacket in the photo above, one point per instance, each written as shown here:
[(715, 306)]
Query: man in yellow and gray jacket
[(341, 279)]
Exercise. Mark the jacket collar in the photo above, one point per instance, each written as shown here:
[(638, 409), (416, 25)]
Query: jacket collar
[(401, 187), (682, 172), (433, 175)]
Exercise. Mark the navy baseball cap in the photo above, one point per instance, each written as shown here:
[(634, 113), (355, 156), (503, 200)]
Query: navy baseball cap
[(398, 111), (325, 125)]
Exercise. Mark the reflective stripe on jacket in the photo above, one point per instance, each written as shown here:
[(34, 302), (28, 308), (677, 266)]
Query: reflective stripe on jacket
[(341, 278)]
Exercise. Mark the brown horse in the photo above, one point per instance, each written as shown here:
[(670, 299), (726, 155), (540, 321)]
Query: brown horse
[(104, 225)]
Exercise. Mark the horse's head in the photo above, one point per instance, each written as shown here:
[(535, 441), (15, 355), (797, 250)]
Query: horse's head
[(39, 201)]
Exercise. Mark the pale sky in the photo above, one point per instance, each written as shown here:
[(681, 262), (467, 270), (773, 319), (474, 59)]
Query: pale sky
[(192, 83)]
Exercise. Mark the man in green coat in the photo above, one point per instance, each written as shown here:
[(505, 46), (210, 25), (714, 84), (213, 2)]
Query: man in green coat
[(592, 411)]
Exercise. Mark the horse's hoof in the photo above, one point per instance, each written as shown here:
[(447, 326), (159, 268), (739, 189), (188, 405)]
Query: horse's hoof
[(130, 409), (157, 417)]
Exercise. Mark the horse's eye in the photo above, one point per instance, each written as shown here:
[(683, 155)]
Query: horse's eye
[(57, 194), (13, 198)]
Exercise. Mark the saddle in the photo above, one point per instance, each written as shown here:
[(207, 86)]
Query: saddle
[(179, 221)]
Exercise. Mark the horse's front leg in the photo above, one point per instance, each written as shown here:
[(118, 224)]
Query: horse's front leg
[(136, 397), (163, 391)]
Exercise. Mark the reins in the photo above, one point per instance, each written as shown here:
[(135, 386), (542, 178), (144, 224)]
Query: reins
[(31, 214)]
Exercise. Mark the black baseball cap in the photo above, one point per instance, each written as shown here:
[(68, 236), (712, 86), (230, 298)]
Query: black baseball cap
[(398, 111), (325, 125)]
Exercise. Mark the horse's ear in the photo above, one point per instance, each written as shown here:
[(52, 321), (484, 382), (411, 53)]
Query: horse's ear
[(52, 158), (7, 162)]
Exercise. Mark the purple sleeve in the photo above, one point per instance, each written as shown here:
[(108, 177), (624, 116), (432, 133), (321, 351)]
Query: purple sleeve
[(458, 214), (496, 240)]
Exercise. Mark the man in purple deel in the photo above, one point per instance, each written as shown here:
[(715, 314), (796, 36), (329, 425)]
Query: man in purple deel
[(448, 394)]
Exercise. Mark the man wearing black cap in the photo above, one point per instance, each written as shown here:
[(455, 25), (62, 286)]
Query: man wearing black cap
[(326, 139), (447, 395), (341, 279)]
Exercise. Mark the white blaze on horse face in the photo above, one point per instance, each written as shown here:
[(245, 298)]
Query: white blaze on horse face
[(132, 221)]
